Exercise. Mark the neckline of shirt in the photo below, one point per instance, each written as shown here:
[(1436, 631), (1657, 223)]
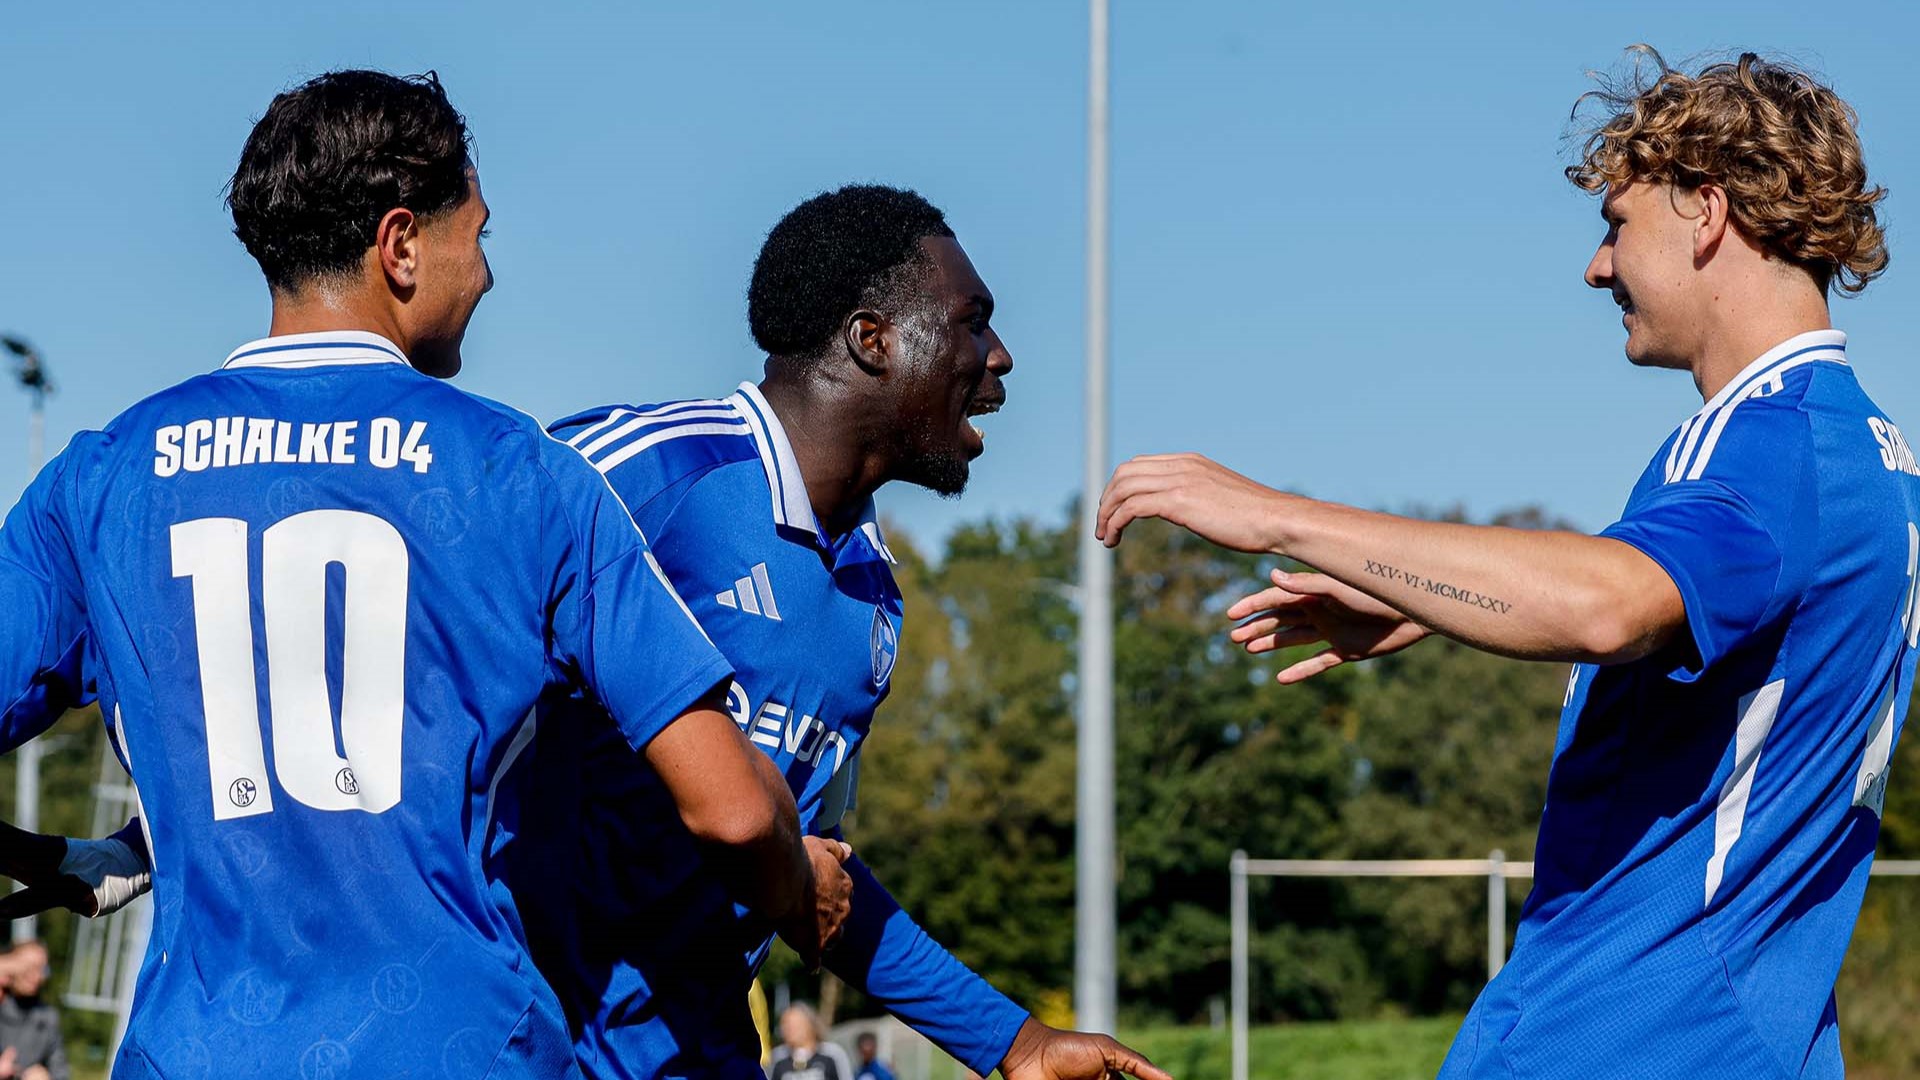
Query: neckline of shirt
[(325, 347), (1832, 342), (791, 507)]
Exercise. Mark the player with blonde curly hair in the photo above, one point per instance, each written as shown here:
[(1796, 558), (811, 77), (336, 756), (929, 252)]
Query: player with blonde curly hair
[(1743, 639)]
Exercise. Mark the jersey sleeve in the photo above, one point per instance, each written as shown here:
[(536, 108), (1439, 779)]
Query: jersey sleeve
[(702, 542), (884, 954), (42, 613), (618, 624), (1724, 529)]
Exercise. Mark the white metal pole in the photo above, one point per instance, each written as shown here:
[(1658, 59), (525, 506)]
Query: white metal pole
[(1093, 964), (1237, 874), (1496, 913), (26, 760)]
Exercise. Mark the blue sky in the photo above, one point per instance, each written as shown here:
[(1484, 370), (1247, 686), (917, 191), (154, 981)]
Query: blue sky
[(1345, 260)]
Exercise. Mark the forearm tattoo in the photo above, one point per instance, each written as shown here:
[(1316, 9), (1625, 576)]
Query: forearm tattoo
[(1439, 588)]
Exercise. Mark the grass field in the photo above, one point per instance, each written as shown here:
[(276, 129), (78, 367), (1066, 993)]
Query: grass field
[(1359, 1050)]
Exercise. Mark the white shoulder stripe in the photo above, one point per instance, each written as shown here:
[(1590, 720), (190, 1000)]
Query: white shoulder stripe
[(589, 432), (641, 445), (658, 410), (1768, 382), (1679, 440), (607, 439)]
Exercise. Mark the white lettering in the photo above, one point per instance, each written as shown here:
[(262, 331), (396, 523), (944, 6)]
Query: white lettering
[(226, 440), (222, 441), (416, 451), (259, 442), (343, 442), (166, 443), (383, 442), (313, 443), (198, 455)]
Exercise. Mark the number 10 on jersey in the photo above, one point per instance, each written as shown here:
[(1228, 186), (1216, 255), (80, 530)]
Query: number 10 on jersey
[(295, 554)]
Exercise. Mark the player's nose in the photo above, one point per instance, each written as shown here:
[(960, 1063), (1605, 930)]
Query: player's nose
[(1600, 268), (999, 360)]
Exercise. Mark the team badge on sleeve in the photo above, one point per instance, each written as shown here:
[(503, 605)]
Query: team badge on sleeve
[(886, 648)]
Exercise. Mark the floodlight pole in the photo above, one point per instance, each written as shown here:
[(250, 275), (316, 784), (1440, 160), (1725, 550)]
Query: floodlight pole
[(1093, 960), (32, 376)]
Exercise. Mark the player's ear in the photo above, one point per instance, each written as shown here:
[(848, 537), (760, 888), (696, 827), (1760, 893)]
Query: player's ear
[(1710, 227), (396, 243), (871, 341)]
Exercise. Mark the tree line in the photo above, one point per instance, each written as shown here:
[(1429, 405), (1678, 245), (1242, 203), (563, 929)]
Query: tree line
[(966, 796)]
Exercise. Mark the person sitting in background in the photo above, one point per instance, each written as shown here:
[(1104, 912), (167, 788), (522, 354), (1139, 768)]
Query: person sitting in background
[(31, 1047), (806, 1053), (870, 1068)]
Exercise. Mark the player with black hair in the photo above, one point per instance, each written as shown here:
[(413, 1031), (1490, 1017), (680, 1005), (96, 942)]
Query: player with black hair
[(320, 548), (759, 507)]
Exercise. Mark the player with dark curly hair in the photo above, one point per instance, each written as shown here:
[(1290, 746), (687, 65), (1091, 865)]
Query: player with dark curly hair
[(760, 509), (1743, 639)]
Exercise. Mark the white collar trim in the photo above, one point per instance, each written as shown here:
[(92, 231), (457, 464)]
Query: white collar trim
[(791, 507), (317, 349), (1812, 345)]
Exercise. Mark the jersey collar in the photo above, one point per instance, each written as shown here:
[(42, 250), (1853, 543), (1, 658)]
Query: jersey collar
[(791, 507), (315, 350), (1800, 348)]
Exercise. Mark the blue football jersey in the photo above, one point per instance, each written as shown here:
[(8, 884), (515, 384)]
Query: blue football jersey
[(633, 927), (1712, 809), (318, 594)]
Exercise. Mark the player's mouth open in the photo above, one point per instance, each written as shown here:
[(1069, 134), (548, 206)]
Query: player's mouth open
[(980, 407)]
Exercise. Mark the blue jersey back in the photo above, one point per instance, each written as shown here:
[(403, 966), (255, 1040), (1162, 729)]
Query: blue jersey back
[(1712, 810), (320, 594), (634, 928)]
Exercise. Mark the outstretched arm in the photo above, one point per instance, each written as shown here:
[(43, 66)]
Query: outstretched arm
[(887, 956), (1531, 594)]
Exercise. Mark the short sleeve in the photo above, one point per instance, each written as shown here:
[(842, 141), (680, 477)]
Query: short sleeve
[(42, 613), (1726, 532), (618, 623)]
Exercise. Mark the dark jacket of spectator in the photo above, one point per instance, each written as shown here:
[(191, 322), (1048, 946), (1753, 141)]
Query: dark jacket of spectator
[(32, 1028)]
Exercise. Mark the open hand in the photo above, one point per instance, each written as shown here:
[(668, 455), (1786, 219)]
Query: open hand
[(1207, 498), (1301, 609), (1040, 1052)]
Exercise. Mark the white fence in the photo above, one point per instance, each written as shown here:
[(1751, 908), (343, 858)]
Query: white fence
[(1495, 868)]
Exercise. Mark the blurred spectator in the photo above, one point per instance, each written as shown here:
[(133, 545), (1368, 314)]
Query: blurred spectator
[(870, 1068), (30, 1044), (806, 1054)]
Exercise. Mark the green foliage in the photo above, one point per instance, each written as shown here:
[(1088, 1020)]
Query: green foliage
[(1351, 1050), (966, 810), (966, 800)]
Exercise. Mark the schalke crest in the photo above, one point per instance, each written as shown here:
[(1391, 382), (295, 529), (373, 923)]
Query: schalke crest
[(886, 648)]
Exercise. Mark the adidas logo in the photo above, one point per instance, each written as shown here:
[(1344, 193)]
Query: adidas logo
[(752, 594)]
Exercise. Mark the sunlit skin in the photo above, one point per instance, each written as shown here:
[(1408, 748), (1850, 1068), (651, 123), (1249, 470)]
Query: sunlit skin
[(896, 394), (1695, 293), (895, 398), (418, 285)]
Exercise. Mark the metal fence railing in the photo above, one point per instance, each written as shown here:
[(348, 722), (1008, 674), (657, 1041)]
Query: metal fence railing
[(1495, 868)]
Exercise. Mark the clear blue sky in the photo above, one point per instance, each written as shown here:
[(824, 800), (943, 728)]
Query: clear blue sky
[(1345, 259)]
